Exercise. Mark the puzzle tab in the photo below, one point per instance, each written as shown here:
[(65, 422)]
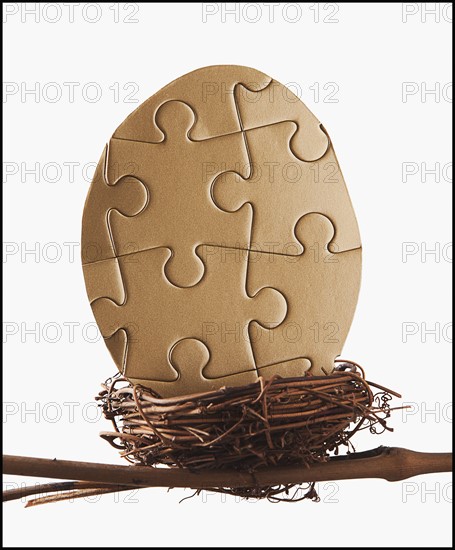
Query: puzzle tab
[(178, 174), (321, 290), (157, 314), (281, 189)]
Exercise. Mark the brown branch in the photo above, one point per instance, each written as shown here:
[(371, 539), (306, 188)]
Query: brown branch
[(65, 487), (390, 463), (79, 493)]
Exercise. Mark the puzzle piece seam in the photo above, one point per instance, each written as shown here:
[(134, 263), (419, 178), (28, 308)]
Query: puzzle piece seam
[(248, 249), (242, 131), (113, 317), (117, 181), (284, 119)]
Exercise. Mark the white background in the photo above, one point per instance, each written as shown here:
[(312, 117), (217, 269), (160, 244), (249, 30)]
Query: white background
[(367, 53)]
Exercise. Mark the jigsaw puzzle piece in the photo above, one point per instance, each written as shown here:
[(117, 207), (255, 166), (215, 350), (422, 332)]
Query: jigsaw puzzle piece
[(227, 310), (276, 103), (321, 290), (189, 357), (127, 195), (103, 279), (209, 91), (286, 369), (178, 174), (217, 312), (281, 189), (142, 349)]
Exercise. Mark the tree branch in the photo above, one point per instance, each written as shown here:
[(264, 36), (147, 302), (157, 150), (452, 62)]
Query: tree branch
[(65, 487), (390, 463)]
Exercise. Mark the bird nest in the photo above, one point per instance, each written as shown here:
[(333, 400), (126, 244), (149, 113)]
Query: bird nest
[(276, 422)]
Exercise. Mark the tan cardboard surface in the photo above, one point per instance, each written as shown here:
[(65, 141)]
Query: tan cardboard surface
[(125, 195), (190, 356), (282, 189), (275, 103), (200, 232), (321, 291), (217, 312), (178, 174), (103, 279), (210, 91)]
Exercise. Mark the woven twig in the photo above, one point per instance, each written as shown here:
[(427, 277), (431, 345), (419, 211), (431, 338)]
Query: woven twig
[(293, 415), (270, 423)]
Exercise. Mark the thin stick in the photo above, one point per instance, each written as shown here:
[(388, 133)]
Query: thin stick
[(79, 493), (390, 463), (63, 486)]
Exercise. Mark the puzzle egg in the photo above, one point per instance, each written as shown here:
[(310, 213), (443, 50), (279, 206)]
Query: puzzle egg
[(219, 243)]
